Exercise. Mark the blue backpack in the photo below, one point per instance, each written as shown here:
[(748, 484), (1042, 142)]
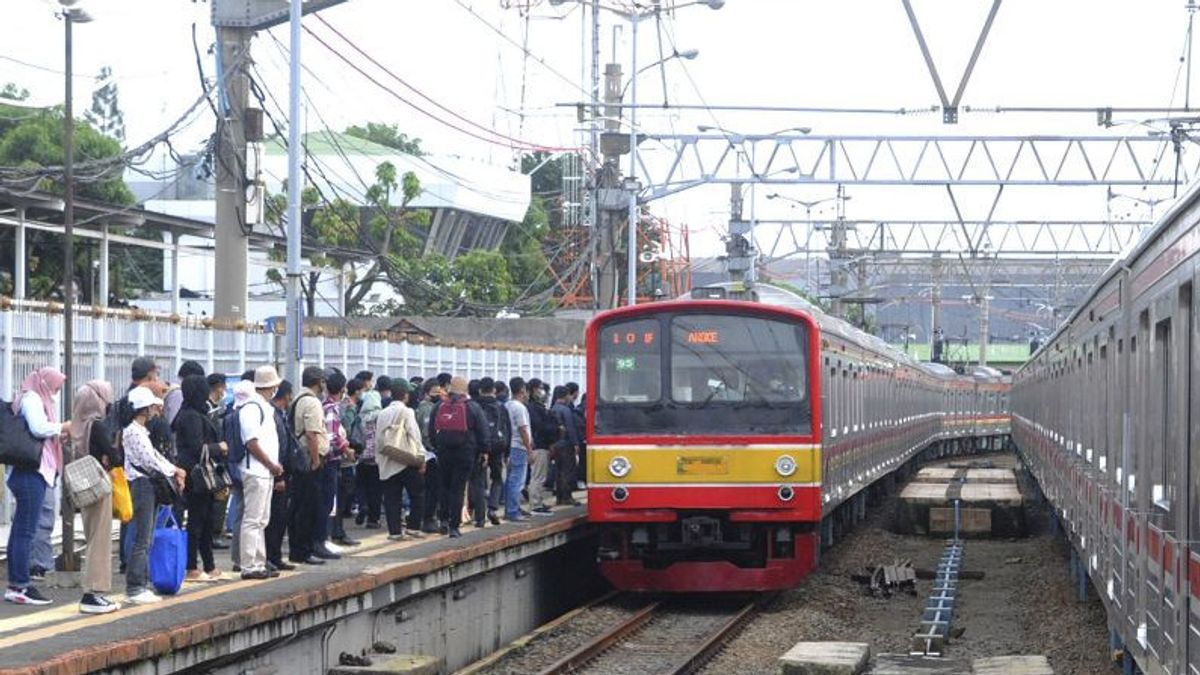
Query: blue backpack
[(231, 431)]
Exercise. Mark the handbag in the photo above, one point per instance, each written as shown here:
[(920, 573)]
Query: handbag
[(164, 487), (18, 446), (209, 477), (122, 499), (86, 482), (168, 553), (395, 444)]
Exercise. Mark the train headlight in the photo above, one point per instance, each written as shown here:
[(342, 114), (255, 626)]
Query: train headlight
[(785, 465), (619, 466)]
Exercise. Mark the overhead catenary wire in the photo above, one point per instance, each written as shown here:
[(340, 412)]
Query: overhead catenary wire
[(473, 134)]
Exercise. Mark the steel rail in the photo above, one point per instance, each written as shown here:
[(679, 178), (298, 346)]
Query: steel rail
[(709, 648), (591, 650)]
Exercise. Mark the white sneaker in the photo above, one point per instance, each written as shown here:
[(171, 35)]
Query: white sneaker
[(332, 547), (146, 597)]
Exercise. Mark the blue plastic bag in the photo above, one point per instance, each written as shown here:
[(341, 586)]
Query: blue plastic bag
[(168, 553)]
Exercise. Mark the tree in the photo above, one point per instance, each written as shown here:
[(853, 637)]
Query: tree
[(33, 138), (105, 114), (483, 277), (388, 135), (12, 92)]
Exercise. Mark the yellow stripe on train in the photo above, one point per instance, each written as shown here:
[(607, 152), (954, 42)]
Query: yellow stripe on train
[(690, 464)]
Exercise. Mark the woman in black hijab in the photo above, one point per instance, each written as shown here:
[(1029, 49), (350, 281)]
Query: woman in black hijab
[(195, 436)]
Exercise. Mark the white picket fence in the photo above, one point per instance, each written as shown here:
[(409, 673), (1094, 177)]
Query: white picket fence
[(31, 336)]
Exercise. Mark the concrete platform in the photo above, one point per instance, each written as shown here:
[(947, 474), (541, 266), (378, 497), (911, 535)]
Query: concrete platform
[(825, 658), (990, 502), (405, 593)]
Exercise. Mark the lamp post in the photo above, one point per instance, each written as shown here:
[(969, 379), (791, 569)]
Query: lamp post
[(71, 16)]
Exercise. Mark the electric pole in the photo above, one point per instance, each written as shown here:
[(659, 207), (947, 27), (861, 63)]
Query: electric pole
[(610, 199), (739, 252), (231, 229)]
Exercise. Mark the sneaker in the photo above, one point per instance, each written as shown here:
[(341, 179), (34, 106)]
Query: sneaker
[(236, 568), (493, 518), (283, 566), (526, 513), (326, 554), (25, 596), (347, 541), (94, 603), (256, 574), (397, 537), (413, 533), (145, 597), (332, 547), (220, 545), (516, 519), (313, 560), (543, 511), (37, 573), (454, 533)]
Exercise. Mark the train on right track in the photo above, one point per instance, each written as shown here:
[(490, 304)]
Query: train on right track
[(1107, 417)]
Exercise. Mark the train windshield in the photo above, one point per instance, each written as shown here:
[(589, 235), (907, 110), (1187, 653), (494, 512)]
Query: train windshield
[(696, 373)]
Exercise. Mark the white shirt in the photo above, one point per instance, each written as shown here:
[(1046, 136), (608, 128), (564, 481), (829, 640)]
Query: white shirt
[(261, 427), (35, 416), (518, 416), (140, 452)]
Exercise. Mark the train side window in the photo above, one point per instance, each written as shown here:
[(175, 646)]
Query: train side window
[(1162, 490)]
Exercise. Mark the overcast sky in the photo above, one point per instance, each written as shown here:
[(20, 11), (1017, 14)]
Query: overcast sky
[(844, 53)]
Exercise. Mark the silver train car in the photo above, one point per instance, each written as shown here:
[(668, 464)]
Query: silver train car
[(1107, 415)]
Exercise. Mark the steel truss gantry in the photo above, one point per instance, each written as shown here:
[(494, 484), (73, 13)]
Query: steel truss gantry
[(780, 239), (1061, 161)]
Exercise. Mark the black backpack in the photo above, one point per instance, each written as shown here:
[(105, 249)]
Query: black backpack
[(297, 459), (499, 427)]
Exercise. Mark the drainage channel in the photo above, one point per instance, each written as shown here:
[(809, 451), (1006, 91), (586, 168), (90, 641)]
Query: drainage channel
[(938, 618)]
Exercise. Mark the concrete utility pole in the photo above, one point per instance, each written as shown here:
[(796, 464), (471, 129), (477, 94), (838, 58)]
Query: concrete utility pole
[(232, 247), (609, 198)]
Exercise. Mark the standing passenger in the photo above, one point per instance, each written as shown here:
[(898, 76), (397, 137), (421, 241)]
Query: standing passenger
[(142, 460), (90, 435), (308, 426), (457, 427), (257, 420), (521, 450), (28, 485)]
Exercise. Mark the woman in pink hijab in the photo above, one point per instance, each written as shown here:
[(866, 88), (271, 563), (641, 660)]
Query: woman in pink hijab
[(36, 405)]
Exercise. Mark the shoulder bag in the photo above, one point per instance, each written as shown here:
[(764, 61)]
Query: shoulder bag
[(18, 446), (86, 482), (395, 444)]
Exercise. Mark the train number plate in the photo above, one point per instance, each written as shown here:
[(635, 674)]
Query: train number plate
[(702, 466)]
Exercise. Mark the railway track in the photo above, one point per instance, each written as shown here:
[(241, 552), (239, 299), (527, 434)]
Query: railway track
[(662, 637)]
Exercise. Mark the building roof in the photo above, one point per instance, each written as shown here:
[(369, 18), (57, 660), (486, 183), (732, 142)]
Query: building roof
[(536, 332), (349, 164)]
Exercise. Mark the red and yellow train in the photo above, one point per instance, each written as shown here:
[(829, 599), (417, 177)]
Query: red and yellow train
[(722, 431)]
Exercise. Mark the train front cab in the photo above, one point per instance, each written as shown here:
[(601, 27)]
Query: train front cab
[(704, 462)]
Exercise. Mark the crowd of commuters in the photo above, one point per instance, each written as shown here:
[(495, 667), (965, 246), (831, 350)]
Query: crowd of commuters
[(418, 456)]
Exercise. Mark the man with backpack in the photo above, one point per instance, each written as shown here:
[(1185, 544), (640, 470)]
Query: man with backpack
[(457, 428), (489, 480), (260, 438), (337, 481), (307, 425)]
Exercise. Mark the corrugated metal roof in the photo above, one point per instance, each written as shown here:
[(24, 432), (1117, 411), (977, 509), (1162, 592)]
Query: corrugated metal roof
[(446, 182)]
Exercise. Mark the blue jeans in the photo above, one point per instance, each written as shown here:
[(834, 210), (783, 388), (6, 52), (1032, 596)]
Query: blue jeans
[(43, 549), (137, 569), (518, 463), (327, 485), (29, 490)]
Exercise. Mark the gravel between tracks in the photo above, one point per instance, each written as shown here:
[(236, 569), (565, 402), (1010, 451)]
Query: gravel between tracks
[(546, 648), (1025, 607)]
